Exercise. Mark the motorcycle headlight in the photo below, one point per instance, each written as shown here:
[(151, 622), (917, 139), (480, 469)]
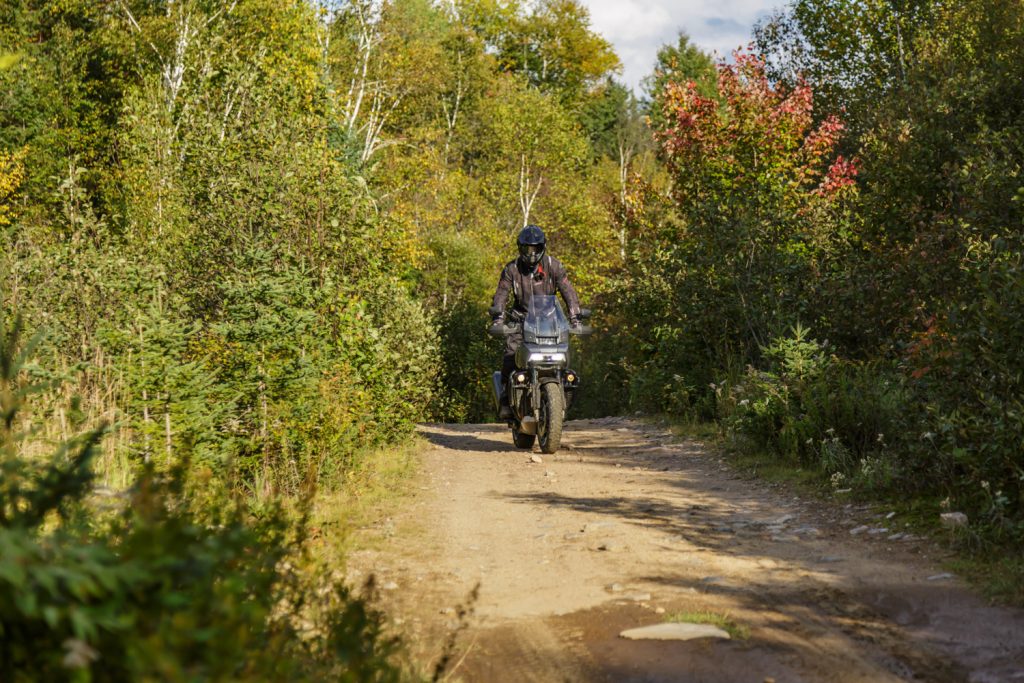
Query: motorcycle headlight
[(547, 357)]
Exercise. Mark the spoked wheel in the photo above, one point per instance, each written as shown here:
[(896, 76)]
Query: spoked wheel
[(549, 422), (520, 439)]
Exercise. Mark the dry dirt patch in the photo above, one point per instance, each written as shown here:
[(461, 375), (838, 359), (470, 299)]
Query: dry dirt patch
[(623, 528)]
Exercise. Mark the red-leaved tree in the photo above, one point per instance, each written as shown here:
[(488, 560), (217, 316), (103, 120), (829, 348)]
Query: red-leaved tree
[(762, 195)]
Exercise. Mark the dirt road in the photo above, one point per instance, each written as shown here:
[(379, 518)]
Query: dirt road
[(625, 527)]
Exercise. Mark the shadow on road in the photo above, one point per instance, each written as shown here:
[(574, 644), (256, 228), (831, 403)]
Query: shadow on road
[(465, 438)]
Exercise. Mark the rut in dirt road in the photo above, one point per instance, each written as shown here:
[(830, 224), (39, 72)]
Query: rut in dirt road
[(624, 527)]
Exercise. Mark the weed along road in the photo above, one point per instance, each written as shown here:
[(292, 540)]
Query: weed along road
[(627, 528)]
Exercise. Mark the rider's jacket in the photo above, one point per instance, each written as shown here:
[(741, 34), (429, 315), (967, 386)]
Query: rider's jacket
[(548, 277)]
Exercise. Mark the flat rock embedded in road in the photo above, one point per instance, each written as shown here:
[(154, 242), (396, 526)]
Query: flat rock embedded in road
[(637, 597), (674, 632)]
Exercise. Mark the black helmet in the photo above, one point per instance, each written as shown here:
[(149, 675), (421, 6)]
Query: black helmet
[(531, 243)]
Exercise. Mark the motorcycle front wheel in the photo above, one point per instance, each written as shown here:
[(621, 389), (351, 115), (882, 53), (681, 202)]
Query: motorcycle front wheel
[(552, 412)]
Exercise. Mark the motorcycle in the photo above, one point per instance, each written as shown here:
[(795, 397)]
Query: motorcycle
[(542, 386)]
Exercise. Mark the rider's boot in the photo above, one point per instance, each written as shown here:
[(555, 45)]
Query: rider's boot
[(505, 411)]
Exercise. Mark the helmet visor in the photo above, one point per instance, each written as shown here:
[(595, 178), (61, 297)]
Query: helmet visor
[(531, 253)]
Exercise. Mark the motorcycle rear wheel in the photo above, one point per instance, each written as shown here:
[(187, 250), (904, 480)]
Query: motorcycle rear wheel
[(552, 412), (522, 440)]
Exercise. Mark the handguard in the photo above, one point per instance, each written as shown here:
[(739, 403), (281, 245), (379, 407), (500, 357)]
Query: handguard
[(499, 329)]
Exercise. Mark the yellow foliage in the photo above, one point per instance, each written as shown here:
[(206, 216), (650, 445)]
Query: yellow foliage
[(12, 173)]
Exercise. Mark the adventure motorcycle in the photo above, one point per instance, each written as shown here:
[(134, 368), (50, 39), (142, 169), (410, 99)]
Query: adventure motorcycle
[(542, 385)]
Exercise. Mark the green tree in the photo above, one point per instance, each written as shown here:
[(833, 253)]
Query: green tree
[(679, 63), (852, 52)]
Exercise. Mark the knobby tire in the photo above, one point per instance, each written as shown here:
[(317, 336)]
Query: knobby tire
[(552, 413)]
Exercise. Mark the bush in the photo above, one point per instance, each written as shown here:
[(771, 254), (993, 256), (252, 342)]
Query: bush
[(815, 409), (967, 367), (154, 589)]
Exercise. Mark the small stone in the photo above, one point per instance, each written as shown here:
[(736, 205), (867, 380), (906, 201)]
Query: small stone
[(389, 586), (878, 530), (448, 610), (674, 632), (890, 515), (659, 610), (806, 531), (611, 547), (549, 473), (896, 537), (638, 597), (769, 679), (616, 588), (829, 559), (941, 577), (536, 458), (953, 520), (859, 530)]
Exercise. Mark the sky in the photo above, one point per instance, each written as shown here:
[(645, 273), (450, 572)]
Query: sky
[(637, 28)]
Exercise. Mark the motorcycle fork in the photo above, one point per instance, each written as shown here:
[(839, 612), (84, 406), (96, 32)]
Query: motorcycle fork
[(534, 393)]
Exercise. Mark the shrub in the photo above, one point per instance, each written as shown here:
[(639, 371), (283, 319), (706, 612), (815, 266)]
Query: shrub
[(813, 408), (156, 589)]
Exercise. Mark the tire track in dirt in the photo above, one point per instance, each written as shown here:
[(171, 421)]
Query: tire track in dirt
[(624, 527)]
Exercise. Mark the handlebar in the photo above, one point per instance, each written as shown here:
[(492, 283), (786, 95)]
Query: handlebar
[(503, 330)]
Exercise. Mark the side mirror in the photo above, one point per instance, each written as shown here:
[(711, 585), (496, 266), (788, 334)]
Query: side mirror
[(584, 314)]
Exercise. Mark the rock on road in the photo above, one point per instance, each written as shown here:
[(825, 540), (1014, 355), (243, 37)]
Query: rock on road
[(624, 528)]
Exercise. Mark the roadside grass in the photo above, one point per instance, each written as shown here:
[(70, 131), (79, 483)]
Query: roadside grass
[(688, 427), (999, 578), (725, 622), (357, 515), (369, 494)]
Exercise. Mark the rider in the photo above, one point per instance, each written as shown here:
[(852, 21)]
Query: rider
[(534, 272)]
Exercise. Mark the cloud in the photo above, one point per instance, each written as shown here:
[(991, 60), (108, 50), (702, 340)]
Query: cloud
[(637, 28)]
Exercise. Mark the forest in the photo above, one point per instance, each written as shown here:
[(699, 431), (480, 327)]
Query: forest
[(246, 243)]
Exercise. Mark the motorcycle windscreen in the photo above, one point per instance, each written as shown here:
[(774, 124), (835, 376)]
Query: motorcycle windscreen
[(545, 322)]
